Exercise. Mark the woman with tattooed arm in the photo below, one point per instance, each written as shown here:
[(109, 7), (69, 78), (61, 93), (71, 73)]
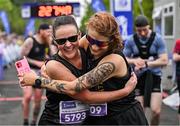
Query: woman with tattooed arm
[(72, 61), (109, 71)]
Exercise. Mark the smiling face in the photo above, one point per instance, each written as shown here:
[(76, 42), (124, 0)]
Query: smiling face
[(98, 44), (66, 38), (103, 34)]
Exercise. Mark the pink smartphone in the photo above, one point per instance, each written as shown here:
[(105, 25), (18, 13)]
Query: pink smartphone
[(22, 66)]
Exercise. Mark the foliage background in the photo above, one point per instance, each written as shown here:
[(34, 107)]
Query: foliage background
[(13, 8), (147, 6)]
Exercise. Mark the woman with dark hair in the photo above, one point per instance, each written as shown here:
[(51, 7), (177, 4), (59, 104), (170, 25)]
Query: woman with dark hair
[(71, 63), (109, 71)]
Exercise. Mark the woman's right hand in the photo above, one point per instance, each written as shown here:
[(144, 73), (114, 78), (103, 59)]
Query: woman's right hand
[(27, 79), (131, 83)]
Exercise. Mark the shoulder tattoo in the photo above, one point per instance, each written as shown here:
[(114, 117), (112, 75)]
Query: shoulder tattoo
[(97, 76)]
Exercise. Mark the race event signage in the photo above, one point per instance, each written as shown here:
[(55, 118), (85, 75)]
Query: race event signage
[(49, 10)]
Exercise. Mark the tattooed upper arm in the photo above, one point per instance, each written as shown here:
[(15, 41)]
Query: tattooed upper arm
[(107, 68), (101, 73), (26, 47), (96, 76)]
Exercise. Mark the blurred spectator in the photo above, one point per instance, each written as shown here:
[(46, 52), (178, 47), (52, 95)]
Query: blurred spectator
[(176, 58), (36, 49), (146, 52), (10, 49)]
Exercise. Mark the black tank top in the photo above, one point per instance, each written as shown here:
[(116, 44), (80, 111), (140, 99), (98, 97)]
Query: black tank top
[(51, 111), (178, 68), (117, 106), (37, 52)]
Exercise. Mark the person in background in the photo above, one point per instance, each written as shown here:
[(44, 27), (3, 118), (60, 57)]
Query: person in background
[(147, 53), (52, 46), (109, 71), (176, 58), (34, 48)]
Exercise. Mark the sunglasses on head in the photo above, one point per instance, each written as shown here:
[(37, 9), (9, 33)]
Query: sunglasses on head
[(97, 42), (62, 41)]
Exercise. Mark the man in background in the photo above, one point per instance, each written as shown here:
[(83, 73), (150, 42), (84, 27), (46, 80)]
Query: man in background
[(35, 50), (147, 53)]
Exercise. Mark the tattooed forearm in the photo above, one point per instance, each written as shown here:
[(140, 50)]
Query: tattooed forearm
[(45, 81), (95, 77), (53, 85), (79, 84), (60, 87)]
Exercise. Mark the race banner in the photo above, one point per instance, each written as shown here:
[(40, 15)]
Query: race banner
[(30, 28), (5, 21), (98, 5), (122, 10)]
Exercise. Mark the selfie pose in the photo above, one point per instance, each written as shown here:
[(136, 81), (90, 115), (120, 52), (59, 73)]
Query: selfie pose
[(72, 60), (34, 48), (108, 71)]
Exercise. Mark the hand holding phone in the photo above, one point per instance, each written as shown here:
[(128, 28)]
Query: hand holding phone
[(22, 66)]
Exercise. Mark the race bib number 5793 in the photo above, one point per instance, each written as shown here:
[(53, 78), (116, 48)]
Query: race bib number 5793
[(72, 112)]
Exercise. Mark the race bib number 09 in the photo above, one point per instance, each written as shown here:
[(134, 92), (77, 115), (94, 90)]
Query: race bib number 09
[(98, 110)]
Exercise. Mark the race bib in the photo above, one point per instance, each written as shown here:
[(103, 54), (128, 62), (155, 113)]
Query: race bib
[(98, 109), (72, 112)]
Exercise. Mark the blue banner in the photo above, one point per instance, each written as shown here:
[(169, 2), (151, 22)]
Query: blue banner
[(97, 5), (5, 21), (122, 10), (30, 27)]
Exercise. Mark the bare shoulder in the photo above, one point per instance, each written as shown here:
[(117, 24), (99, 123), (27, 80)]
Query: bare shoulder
[(54, 66), (116, 61), (27, 46), (114, 58), (28, 41), (57, 70)]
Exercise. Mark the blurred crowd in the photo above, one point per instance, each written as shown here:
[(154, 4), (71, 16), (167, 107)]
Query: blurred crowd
[(10, 45)]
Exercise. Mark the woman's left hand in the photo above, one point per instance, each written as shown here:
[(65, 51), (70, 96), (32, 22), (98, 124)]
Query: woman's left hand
[(27, 79)]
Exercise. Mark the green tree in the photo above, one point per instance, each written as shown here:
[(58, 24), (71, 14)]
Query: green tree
[(13, 9), (90, 12), (5, 5), (147, 6)]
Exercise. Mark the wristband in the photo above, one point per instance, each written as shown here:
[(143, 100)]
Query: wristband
[(38, 82)]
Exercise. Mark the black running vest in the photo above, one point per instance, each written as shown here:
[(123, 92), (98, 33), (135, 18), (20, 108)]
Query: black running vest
[(178, 68), (51, 111), (37, 52), (144, 49), (120, 105)]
